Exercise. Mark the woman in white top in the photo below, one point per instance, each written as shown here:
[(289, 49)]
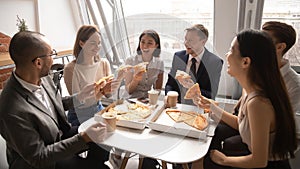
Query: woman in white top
[(137, 82), (266, 122), (87, 68)]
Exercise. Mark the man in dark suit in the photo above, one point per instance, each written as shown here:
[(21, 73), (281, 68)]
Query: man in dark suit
[(32, 116), (207, 68)]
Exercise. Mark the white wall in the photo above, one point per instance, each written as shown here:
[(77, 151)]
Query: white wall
[(225, 26), (53, 18)]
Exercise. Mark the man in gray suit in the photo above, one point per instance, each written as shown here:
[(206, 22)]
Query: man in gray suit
[(207, 69), (32, 116)]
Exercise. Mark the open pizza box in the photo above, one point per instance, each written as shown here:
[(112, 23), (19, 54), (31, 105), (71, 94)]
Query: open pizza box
[(164, 123), (126, 119)]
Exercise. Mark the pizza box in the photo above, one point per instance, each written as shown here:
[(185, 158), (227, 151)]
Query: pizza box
[(164, 123), (123, 106)]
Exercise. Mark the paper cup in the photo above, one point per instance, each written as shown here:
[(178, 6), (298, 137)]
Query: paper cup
[(153, 97), (172, 98), (110, 120)]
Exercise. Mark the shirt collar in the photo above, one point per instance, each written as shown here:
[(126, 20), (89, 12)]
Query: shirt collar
[(198, 57), (285, 68), (31, 87)]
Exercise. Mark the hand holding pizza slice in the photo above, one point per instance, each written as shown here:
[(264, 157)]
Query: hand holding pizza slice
[(101, 84), (184, 79), (141, 67), (122, 70)]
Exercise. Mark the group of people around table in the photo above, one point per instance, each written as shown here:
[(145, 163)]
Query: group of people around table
[(261, 134)]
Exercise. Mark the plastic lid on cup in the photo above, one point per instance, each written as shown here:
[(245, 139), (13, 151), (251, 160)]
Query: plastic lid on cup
[(172, 93)]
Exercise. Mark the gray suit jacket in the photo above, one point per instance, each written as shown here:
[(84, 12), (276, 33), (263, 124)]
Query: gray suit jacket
[(33, 137), (208, 75)]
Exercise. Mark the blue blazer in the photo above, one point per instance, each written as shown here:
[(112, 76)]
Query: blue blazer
[(208, 75)]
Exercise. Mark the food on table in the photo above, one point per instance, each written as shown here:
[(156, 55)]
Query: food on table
[(190, 118), (134, 112)]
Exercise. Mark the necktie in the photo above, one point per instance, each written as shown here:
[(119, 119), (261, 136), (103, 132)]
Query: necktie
[(193, 67)]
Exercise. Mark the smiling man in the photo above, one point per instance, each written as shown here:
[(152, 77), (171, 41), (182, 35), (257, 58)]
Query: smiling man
[(206, 69)]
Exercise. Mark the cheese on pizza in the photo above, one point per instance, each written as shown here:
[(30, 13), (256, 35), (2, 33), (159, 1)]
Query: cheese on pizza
[(193, 92)]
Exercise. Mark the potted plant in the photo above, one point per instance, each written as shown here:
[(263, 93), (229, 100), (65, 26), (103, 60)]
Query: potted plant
[(21, 24)]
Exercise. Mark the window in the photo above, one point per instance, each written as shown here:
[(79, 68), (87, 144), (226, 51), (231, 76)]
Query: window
[(169, 18), (287, 11), (127, 19)]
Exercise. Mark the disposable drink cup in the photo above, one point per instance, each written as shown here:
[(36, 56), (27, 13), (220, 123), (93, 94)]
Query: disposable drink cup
[(110, 120), (172, 98), (153, 97)]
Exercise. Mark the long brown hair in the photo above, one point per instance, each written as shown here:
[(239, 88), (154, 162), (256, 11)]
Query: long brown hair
[(264, 72), (83, 34)]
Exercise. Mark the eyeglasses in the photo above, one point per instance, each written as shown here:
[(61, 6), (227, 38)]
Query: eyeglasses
[(53, 54)]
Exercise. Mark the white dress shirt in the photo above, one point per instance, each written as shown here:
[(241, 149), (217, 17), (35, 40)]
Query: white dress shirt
[(189, 63), (292, 82)]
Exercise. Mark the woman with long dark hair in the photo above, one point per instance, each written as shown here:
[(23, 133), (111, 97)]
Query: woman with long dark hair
[(266, 120)]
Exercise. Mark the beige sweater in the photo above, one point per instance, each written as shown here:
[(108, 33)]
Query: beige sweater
[(77, 76)]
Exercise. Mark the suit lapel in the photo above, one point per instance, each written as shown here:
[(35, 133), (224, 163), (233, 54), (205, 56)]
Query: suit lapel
[(28, 95), (55, 98), (30, 98), (184, 59)]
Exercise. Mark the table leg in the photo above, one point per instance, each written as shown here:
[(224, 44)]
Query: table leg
[(185, 166), (141, 159), (164, 164), (125, 160)]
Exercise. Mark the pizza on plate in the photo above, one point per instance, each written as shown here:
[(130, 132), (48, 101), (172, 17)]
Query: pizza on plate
[(193, 92), (133, 112), (191, 118), (174, 114)]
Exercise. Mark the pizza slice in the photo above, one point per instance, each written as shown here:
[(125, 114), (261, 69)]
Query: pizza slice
[(122, 70), (143, 113), (141, 67), (129, 116), (182, 75), (190, 121), (104, 79), (200, 122), (193, 92), (125, 67), (186, 116), (174, 114)]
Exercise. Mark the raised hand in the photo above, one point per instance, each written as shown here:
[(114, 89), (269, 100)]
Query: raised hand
[(95, 133)]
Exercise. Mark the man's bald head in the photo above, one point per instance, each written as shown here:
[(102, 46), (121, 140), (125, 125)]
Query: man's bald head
[(26, 45)]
